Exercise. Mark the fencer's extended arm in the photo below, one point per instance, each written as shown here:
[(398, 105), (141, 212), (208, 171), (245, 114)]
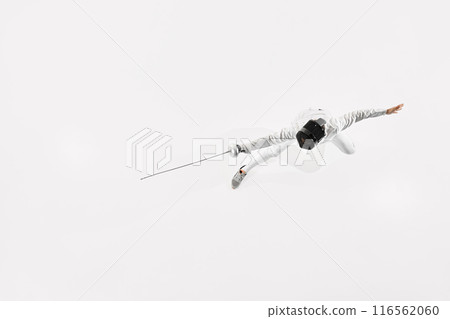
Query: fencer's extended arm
[(345, 121), (282, 136)]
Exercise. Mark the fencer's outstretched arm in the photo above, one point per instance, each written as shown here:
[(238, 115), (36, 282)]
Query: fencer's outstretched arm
[(336, 124), (347, 120), (284, 135)]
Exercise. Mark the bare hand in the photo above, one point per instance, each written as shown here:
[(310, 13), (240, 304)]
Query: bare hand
[(395, 109)]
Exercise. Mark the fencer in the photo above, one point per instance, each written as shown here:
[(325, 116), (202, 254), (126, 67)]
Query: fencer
[(309, 128)]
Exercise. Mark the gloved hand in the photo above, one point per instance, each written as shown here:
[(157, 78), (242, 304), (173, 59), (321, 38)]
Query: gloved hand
[(235, 150)]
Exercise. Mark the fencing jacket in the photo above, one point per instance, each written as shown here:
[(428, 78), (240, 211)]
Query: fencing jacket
[(333, 126)]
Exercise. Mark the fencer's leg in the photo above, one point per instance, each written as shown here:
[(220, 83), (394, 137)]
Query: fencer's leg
[(285, 135), (265, 154), (258, 157), (344, 143)]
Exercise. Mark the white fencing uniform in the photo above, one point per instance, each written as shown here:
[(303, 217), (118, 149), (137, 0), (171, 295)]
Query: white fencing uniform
[(272, 145)]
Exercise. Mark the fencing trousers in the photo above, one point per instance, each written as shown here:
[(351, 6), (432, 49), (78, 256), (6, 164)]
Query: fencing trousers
[(264, 153)]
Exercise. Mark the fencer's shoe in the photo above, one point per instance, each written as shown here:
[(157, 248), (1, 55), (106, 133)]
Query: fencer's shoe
[(235, 150), (237, 178)]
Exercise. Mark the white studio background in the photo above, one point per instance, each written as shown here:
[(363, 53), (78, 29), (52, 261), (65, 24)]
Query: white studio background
[(77, 79)]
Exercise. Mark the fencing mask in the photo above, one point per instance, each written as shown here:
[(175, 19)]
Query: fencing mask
[(311, 133)]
